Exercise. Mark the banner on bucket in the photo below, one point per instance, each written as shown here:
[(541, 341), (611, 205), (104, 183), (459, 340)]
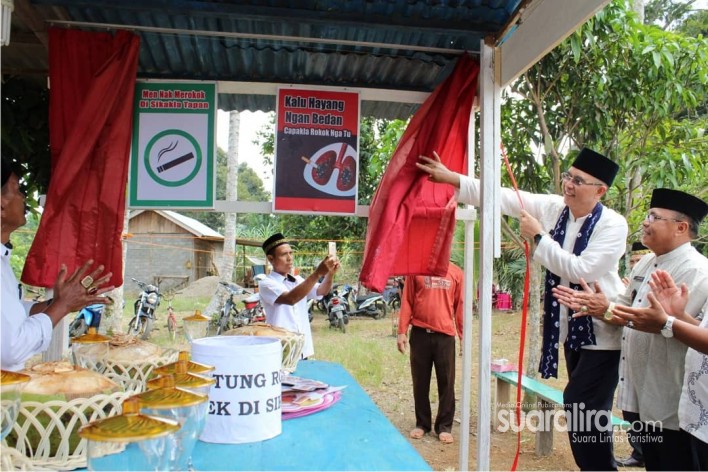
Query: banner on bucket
[(245, 402)]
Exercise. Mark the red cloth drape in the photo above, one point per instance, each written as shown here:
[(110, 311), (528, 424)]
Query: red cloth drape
[(412, 220), (92, 80)]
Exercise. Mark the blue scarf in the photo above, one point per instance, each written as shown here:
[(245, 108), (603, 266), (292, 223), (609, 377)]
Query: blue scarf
[(580, 332)]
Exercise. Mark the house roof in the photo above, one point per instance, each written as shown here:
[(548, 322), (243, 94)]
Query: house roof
[(392, 45), (195, 227)]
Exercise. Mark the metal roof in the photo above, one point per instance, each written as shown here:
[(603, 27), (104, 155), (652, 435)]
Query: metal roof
[(197, 228), (387, 44)]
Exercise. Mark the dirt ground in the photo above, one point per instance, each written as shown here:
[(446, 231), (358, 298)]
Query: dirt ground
[(394, 398)]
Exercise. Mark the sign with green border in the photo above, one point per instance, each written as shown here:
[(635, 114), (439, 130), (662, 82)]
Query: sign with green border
[(173, 150)]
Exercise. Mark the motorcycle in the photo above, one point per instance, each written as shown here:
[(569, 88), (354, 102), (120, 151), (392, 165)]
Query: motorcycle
[(337, 310), (372, 304), (392, 295), (230, 317), (310, 306), (144, 308), (88, 317)]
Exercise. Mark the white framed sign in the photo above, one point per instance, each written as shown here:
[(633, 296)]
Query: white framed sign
[(173, 149)]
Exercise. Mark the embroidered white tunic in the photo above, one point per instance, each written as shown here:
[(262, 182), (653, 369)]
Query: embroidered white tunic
[(652, 366), (693, 405), (291, 317), (598, 262)]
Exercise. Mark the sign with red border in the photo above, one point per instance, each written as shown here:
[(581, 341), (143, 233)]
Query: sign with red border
[(316, 152)]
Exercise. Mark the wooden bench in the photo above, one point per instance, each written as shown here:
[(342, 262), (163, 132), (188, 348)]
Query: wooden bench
[(548, 399)]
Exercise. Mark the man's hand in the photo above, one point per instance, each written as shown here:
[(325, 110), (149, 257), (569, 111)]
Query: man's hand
[(649, 319), (82, 288), (529, 225), (329, 264), (584, 302), (437, 172), (402, 342), (673, 299)]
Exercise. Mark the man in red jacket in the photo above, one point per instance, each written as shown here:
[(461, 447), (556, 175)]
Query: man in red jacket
[(432, 306)]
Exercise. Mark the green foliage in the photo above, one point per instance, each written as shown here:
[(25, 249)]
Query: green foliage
[(632, 91), (250, 189), (21, 242), (668, 14)]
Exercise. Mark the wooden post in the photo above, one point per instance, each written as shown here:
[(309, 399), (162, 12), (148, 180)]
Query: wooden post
[(544, 436)]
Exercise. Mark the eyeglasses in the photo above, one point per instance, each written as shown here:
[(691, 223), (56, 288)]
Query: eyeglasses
[(577, 181), (651, 217)]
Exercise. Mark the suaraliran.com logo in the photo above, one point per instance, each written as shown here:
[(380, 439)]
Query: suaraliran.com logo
[(533, 420)]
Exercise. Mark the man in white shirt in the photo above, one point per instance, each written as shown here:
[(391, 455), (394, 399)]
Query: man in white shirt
[(667, 305), (586, 240), (285, 296), (25, 327), (652, 367)]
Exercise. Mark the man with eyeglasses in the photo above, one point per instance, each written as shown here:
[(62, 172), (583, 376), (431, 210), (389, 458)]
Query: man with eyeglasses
[(652, 365), (576, 238)]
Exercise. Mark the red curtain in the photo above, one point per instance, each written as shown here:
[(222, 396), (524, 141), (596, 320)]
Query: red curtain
[(412, 220), (92, 83)]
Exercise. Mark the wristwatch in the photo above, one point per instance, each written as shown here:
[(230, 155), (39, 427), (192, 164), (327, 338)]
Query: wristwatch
[(538, 236), (667, 330)]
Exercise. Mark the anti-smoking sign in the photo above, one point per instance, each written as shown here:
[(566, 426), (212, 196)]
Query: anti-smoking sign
[(172, 157), (317, 151)]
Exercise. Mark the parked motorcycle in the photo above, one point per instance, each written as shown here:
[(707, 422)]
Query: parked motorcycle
[(144, 308), (229, 315), (310, 306), (372, 304), (88, 317), (337, 310)]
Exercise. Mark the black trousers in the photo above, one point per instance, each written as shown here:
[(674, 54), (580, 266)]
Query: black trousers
[(634, 433), (699, 454), (593, 377), (430, 350), (666, 449)]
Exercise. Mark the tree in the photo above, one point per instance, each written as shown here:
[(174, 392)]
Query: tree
[(631, 91)]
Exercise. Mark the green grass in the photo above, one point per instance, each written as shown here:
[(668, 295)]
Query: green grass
[(367, 350)]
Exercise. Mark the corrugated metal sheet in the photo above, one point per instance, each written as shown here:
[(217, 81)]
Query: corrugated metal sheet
[(386, 44)]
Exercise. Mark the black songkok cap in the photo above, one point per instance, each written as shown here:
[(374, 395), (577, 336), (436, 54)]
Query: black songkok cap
[(596, 165), (639, 248), (274, 241), (679, 201), (7, 169)]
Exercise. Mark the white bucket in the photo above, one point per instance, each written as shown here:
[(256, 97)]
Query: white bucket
[(244, 404)]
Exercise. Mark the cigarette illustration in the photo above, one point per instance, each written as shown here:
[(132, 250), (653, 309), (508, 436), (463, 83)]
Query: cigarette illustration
[(174, 162), (308, 161)]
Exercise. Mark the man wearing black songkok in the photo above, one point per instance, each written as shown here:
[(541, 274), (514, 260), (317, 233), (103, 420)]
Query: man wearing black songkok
[(576, 237), (652, 365)]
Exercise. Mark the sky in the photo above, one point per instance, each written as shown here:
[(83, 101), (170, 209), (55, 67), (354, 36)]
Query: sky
[(251, 123)]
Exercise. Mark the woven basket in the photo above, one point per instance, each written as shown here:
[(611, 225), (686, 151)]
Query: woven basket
[(292, 342), (129, 375), (46, 432)]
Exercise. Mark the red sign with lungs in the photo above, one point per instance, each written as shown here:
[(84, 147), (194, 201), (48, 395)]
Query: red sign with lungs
[(317, 151)]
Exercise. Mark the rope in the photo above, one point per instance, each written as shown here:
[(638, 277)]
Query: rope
[(524, 313)]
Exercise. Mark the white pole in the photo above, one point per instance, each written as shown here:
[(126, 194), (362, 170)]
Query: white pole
[(489, 151), (464, 453)]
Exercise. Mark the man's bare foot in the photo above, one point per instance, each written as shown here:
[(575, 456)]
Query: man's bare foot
[(446, 438), (417, 433)]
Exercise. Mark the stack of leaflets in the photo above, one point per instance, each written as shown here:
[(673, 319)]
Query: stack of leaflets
[(303, 397)]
